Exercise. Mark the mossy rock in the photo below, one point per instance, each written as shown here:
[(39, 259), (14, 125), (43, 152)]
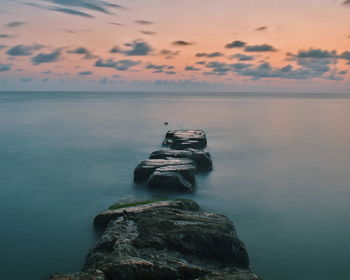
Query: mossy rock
[(137, 207), (143, 202)]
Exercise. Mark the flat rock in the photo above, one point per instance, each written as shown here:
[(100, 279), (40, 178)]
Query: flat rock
[(145, 169), (201, 158), (185, 139), (188, 171), (102, 219), (169, 241)]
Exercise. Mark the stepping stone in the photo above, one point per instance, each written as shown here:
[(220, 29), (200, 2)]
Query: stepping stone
[(185, 139), (145, 169), (201, 158), (173, 178)]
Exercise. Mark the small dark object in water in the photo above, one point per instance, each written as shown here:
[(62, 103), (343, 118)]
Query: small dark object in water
[(166, 123)]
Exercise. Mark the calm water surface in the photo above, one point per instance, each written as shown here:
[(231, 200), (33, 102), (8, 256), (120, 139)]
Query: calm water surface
[(282, 174)]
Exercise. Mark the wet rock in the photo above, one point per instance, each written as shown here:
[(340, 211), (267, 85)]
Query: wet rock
[(201, 158), (166, 153), (185, 139), (188, 171), (187, 144), (104, 218), (89, 275), (171, 178), (145, 169), (230, 274), (170, 240)]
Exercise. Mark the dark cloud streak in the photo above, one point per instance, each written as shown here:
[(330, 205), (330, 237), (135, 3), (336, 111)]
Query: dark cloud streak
[(46, 57), (169, 54), (78, 7), (5, 67), (242, 57), (182, 43), (85, 73), (159, 68), (121, 65), (82, 51), (235, 44), (14, 24), (70, 12), (138, 48), (260, 48), (5, 36), (210, 55), (143, 22), (148, 32), (261, 28), (92, 5), (191, 68), (23, 50)]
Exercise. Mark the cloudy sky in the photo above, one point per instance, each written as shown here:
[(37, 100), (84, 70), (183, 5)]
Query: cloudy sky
[(222, 45)]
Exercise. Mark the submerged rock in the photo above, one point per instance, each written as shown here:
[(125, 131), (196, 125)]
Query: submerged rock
[(201, 158), (185, 139), (145, 169)]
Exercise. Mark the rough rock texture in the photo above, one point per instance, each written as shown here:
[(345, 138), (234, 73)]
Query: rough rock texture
[(169, 240), (165, 240), (185, 139), (89, 275), (201, 158), (173, 178), (166, 179), (101, 220), (174, 169), (145, 169)]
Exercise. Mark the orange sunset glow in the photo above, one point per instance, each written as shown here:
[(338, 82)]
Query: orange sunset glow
[(228, 45)]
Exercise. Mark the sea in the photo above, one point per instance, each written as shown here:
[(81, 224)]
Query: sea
[(281, 173)]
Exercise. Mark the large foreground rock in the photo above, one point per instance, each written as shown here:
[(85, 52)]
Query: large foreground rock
[(166, 240), (145, 169), (201, 158), (169, 240), (185, 139)]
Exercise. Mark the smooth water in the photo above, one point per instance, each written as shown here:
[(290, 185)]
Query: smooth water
[(282, 174)]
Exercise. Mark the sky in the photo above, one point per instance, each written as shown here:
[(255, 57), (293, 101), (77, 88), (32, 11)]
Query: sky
[(175, 45)]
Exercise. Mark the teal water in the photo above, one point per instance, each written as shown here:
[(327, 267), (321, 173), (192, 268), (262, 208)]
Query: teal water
[(282, 174)]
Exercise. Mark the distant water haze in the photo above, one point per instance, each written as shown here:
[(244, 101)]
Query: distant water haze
[(281, 173)]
